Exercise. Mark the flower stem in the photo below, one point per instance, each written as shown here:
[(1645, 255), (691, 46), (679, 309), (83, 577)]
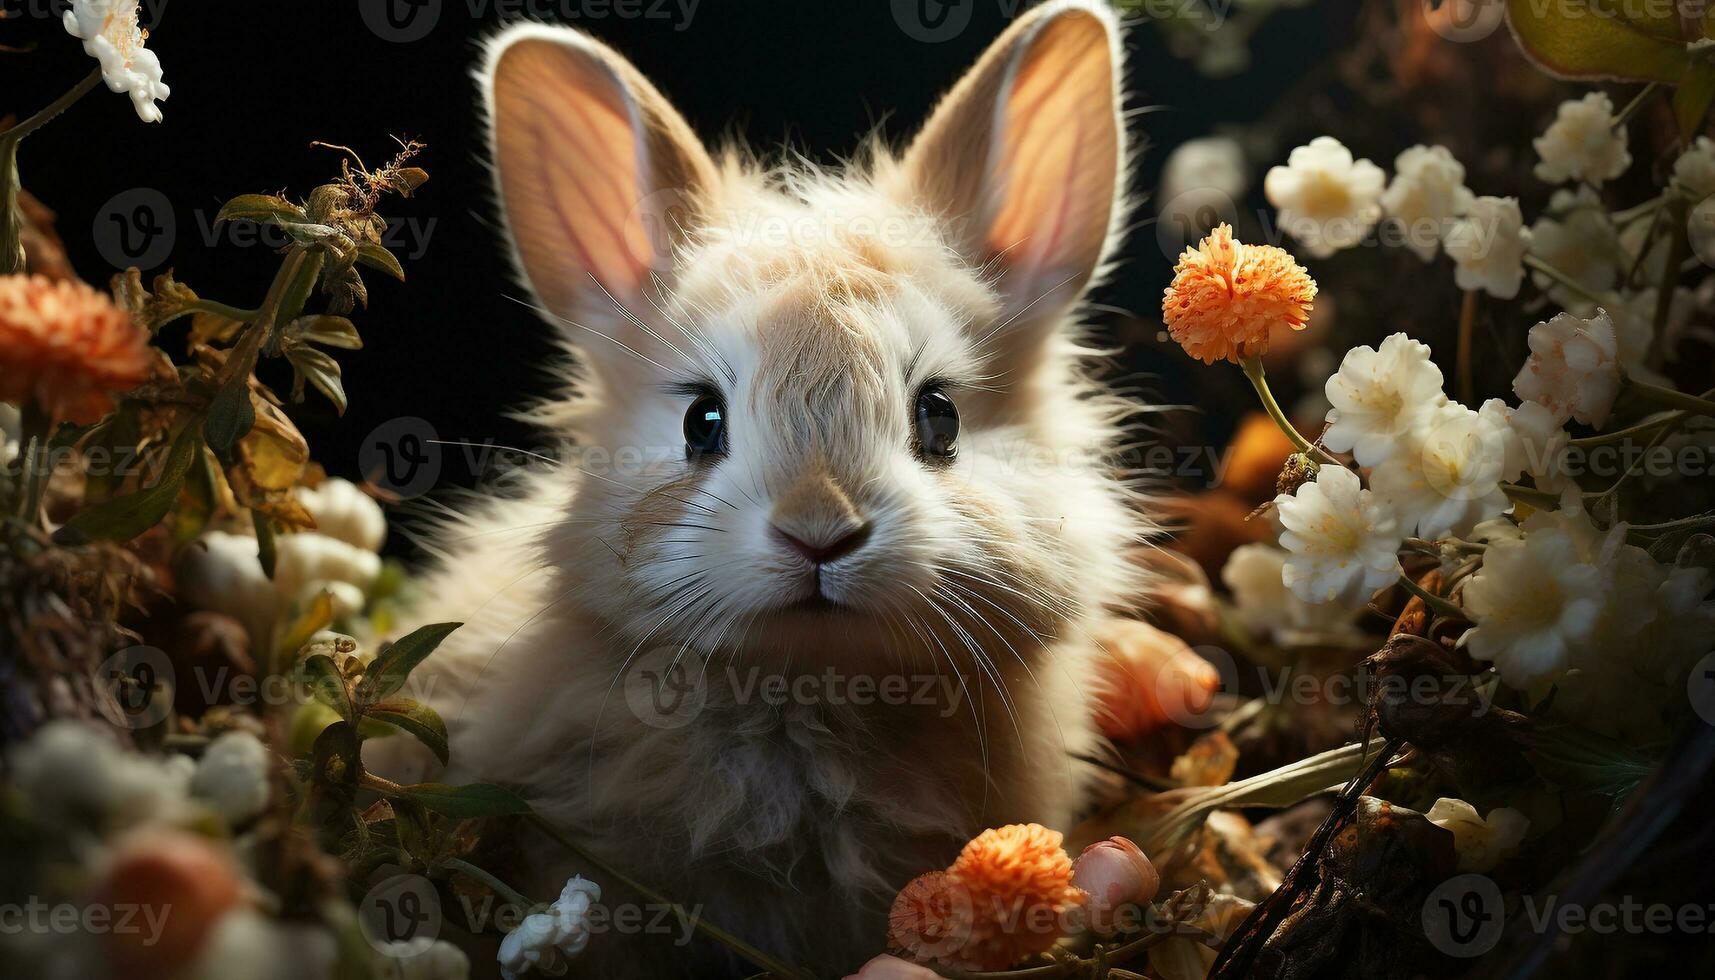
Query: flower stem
[(54, 108), (1563, 279), (1430, 599), (1252, 366), (1467, 323), (697, 922), (1673, 399), (1540, 499), (499, 887), (1631, 108)]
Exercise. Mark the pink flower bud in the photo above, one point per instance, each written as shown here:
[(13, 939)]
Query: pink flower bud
[(1116, 874), (886, 967)]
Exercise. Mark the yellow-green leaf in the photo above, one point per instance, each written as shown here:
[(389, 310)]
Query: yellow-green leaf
[(1692, 98), (1589, 40)]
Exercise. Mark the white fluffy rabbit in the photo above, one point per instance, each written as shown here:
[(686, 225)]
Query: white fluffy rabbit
[(811, 601)]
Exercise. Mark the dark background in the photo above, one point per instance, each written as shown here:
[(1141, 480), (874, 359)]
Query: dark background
[(254, 82)]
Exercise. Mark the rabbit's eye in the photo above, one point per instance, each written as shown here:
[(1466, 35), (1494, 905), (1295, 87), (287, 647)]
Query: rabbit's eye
[(937, 424), (705, 427)]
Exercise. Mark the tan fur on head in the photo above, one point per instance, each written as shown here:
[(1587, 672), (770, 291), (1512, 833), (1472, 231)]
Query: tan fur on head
[(816, 306)]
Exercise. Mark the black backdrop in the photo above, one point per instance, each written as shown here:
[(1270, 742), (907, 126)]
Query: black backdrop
[(254, 81)]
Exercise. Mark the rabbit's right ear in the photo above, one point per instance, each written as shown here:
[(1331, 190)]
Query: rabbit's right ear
[(598, 176)]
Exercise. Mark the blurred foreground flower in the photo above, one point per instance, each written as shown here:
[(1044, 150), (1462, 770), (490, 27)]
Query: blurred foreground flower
[(67, 348), (1226, 296), (1149, 678), (542, 939), (1006, 897), (1327, 200), (885, 967), (1342, 541), (232, 777), (111, 35)]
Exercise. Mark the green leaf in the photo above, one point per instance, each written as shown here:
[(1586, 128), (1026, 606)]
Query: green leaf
[(329, 331), (260, 207), (311, 621), (389, 671), (337, 758), (467, 802), (1692, 98), (378, 256), (412, 829), (1590, 39), (230, 416), (327, 684), (416, 719), (123, 518)]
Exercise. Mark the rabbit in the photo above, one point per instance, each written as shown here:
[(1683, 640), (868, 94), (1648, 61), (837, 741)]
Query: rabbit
[(838, 477)]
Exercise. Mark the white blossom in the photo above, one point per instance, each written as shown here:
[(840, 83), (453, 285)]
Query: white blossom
[(1326, 199), (1544, 443), (233, 777), (1583, 143), (421, 958), (544, 940), (1342, 543), (1427, 192), (1700, 230), (1694, 170), (1487, 247), (1449, 476), (344, 512), (1479, 842), (70, 774), (1266, 607), (1577, 239), (1573, 369), (111, 35), (1379, 395), (1200, 183)]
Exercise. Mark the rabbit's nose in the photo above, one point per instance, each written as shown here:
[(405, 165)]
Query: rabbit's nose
[(820, 552)]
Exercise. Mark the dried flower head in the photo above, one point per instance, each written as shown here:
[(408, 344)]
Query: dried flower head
[(1019, 879), (1226, 296), (67, 348)]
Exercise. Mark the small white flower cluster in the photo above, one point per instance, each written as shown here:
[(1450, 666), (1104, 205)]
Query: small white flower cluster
[(544, 940), (223, 572), (111, 35), (1558, 594), (1329, 201)]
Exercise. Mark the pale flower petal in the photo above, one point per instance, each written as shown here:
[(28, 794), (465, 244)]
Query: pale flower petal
[(1449, 477), (1583, 143), (1342, 542), (111, 35), (1573, 369), (1326, 199), (1379, 395), (1480, 842), (1427, 192), (1487, 247)]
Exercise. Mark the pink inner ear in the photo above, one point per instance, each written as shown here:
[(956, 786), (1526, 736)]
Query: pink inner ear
[(1058, 154), (571, 172)]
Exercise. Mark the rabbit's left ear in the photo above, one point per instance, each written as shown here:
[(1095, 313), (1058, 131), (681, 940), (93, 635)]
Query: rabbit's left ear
[(1026, 158)]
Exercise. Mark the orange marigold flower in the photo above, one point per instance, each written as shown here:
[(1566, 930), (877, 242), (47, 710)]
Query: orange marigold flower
[(67, 347), (1007, 897), (1226, 296)]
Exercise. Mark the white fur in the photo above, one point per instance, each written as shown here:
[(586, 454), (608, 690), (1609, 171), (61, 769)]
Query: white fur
[(791, 824)]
